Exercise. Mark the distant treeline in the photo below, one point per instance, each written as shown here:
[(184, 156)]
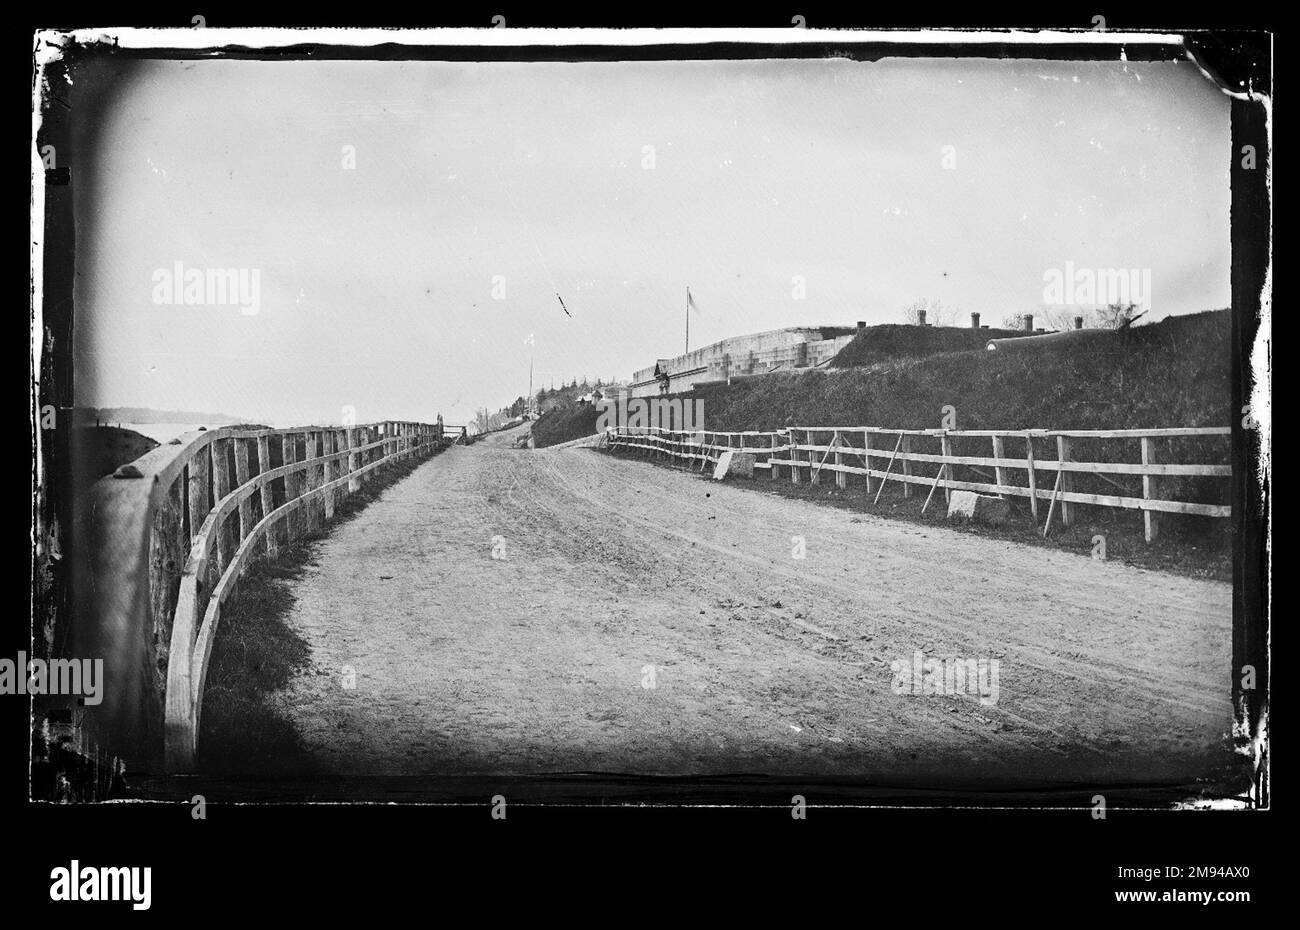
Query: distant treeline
[(82, 416)]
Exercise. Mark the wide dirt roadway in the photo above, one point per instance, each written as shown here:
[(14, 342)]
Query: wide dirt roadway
[(644, 620)]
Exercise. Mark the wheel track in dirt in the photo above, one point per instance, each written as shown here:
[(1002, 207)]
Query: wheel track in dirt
[(1118, 674), (620, 561), (847, 594)]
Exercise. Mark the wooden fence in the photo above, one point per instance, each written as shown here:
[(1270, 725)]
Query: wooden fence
[(214, 502), (1052, 475)]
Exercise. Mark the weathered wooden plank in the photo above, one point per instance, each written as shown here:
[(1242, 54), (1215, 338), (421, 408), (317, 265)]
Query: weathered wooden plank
[(1101, 500), (292, 486), (310, 480), (1064, 480), (1150, 521), (866, 455), (267, 497), (999, 470), (350, 442), (168, 547), (945, 443), (1056, 489), (327, 471), (907, 465), (199, 499), (1115, 468), (841, 477), (1033, 484), (241, 478)]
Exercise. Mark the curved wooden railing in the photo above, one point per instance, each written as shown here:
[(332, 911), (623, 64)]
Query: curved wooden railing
[(169, 549)]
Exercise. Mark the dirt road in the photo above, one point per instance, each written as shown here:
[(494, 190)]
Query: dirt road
[(513, 611)]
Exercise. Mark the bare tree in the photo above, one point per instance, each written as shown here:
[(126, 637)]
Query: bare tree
[(1013, 321), (1063, 318), (936, 314), (1119, 316)]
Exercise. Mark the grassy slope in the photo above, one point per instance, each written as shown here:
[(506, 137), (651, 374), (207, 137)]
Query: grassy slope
[(1172, 373), (564, 422), (896, 340)]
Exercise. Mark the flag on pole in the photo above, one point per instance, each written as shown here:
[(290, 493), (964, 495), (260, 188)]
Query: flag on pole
[(690, 302)]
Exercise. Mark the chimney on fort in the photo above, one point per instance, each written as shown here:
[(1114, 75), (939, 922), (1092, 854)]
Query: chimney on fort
[(920, 317), (1029, 322), (1078, 322), (974, 321)]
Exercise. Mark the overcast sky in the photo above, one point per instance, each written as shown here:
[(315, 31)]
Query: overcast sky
[(377, 281)]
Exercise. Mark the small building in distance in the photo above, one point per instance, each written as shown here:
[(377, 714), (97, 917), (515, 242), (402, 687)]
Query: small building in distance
[(743, 356)]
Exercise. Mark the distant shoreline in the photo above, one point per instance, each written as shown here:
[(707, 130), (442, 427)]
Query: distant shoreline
[(88, 416), (161, 432)]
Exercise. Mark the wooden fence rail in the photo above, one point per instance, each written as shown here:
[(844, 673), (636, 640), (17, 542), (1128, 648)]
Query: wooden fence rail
[(174, 545), (879, 455)]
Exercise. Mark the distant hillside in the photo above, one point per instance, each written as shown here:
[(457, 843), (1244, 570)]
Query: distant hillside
[(88, 415)]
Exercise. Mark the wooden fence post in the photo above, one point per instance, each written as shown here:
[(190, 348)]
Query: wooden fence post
[(1033, 485), (220, 488), (841, 477), (292, 481), (197, 488), (310, 450), (241, 479), (866, 456), (327, 470), (350, 441), (268, 499), (907, 466), (1150, 519), (775, 472), (794, 457), (1067, 480), (945, 449), (999, 473), (168, 550)]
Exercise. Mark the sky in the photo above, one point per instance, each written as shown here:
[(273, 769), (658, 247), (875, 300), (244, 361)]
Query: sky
[(410, 223)]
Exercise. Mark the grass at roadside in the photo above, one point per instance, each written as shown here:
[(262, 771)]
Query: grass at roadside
[(256, 653)]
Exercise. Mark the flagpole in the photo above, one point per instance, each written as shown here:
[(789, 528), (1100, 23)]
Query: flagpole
[(688, 318)]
